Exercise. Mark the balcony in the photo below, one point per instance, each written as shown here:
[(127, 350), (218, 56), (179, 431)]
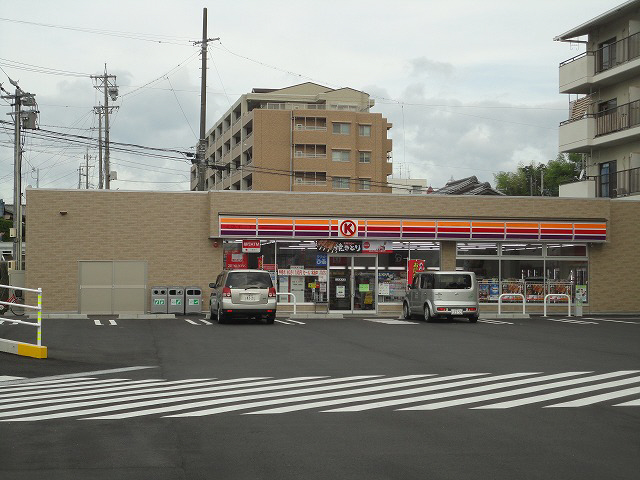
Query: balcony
[(618, 184), (608, 65), (585, 129)]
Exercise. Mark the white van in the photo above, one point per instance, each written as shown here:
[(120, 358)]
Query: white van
[(442, 294)]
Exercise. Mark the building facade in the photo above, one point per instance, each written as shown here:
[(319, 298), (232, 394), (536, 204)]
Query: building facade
[(303, 138), (350, 252), (604, 114)]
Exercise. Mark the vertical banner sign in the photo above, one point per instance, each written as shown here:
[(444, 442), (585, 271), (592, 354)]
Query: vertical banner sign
[(415, 266)]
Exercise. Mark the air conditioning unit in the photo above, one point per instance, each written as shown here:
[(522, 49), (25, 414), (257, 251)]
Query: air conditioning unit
[(13, 233), (12, 264), (299, 126), (298, 180), (299, 153)]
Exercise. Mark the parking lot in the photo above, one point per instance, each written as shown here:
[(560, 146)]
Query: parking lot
[(357, 397)]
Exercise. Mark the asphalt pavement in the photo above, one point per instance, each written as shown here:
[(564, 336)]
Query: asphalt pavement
[(353, 398)]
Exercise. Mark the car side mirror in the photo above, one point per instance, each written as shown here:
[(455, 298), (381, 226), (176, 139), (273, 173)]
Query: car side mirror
[(212, 285)]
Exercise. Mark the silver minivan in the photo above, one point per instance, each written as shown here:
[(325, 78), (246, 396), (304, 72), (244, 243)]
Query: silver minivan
[(243, 293), (442, 294)]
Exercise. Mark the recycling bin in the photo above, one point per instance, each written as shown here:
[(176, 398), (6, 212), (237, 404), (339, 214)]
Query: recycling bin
[(192, 300), (159, 299), (176, 300)]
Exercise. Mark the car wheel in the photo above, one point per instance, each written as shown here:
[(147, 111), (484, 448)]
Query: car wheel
[(427, 314), (406, 313), (213, 314), (473, 319)]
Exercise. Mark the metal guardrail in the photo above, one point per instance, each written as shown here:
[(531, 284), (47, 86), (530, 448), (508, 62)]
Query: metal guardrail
[(294, 299), (510, 295), (557, 295), (38, 307)]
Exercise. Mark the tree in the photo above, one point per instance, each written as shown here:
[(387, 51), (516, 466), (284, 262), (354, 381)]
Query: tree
[(5, 225), (540, 179)]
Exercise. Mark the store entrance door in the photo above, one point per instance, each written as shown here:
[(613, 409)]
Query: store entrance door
[(352, 283)]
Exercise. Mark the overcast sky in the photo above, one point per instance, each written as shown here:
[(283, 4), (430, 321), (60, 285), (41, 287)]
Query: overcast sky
[(470, 86)]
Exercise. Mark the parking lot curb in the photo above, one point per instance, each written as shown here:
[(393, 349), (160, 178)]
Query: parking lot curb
[(22, 349), (146, 316)]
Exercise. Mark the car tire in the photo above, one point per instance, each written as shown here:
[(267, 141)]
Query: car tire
[(213, 314), (473, 319), (427, 314), (406, 313)]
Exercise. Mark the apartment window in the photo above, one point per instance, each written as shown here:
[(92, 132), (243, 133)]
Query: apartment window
[(311, 178), (364, 157), (608, 179), (364, 184), (364, 130), (341, 128), (341, 183), (607, 54), (341, 155)]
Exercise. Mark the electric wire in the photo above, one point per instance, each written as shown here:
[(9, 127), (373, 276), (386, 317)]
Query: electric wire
[(154, 38)]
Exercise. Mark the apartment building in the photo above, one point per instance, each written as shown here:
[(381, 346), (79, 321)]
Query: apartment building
[(604, 115), (302, 138)]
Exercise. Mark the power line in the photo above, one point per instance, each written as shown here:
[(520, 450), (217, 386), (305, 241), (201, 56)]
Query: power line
[(146, 37)]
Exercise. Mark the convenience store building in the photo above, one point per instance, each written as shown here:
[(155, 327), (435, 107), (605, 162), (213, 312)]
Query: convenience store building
[(98, 251)]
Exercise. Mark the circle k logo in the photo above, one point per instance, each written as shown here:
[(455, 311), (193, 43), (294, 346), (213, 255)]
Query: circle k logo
[(348, 228)]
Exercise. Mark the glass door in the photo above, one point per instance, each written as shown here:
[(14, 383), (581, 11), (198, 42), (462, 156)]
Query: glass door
[(352, 283), (339, 283), (364, 283)]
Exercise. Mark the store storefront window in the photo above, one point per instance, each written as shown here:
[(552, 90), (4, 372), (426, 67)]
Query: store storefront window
[(392, 273), (531, 270), (487, 272), (301, 271), (522, 249), (473, 249)]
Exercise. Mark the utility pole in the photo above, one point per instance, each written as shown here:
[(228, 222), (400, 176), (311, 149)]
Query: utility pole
[(107, 83), (98, 110), (200, 162), (22, 119)]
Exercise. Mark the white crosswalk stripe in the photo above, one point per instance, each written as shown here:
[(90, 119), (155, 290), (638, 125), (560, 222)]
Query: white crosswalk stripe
[(90, 398)]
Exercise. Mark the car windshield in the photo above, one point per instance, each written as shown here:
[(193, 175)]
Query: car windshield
[(249, 280), (452, 281)]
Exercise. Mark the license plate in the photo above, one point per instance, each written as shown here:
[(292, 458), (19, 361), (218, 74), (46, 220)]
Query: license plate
[(456, 311), (249, 297)]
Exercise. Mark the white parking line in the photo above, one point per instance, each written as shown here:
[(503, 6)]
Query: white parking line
[(206, 322), (568, 320), (390, 321), (617, 321), (295, 321), (191, 321), (283, 322), (97, 322), (113, 322), (497, 322)]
